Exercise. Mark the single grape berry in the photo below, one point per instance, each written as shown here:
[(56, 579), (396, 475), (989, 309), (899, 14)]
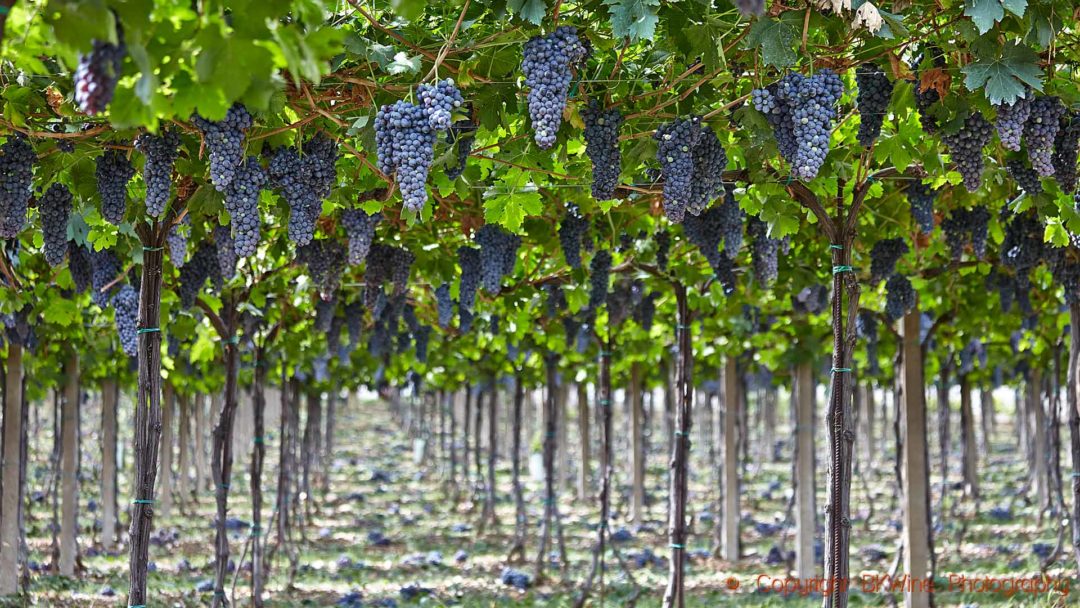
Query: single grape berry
[(55, 208), (113, 172)]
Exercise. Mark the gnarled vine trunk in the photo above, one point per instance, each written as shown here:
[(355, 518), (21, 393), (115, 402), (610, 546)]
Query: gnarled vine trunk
[(221, 462), (258, 455), (683, 404)]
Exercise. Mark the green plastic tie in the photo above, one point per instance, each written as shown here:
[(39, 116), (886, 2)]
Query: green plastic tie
[(136, 605), (605, 353), (676, 546), (834, 246), (143, 501), (223, 486), (147, 330), (681, 326), (153, 248), (840, 370), (3, 11), (232, 340), (258, 440), (604, 402), (839, 269)]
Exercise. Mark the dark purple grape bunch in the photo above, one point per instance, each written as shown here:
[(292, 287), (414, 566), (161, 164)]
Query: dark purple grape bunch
[(764, 251), (440, 100), (1025, 177), (444, 305), (572, 231), (161, 152), (462, 135), (360, 228), (1066, 152), (16, 178), (405, 146), (202, 266), (966, 148), (921, 198), (177, 240), (469, 260), (599, 279), (801, 110), (883, 258), (899, 296), (325, 260), (225, 141), (1041, 130), (55, 208), (80, 266), (547, 64), (602, 146), (1010, 121), (498, 254), (750, 8), (97, 74), (114, 171), (710, 160), (126, 315), (226, 252), (242, 205), (304, 178), (964, 226), (875, 91), (675, 153), (104, 268)]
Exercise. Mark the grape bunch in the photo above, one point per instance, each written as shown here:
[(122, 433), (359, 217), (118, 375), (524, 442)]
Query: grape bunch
[(801, 111), (731, 222), (811, 300), (675, 146), (1066, 272), (97, 74), (1025, 176), (325, 261), (444, 304), (750, 8), (225, 140), (177, 240), (462, 135), (161, 152), (645, 311), (1010, 122), (55, 208), (324, 313), (226, 252), (304, 178), (439, 101), (1041, 130), (572, 229), (422, 335), (966, 148), (405, 146), (706, 231), (921, 199), (599, 279), (764, 251), (570, 329), (80, 266), (16, 177), (104, 270), (1023, 247), (899, 296), (663, 248), (498, 254), (710, 159), (965, 226), (602, 147), (202, 266), (547, 65), (385, 263), (126, 314), (114, 170), (875, 91), (866, 324), (554, 300), (242, 205), (360, 228), (883, 257), (1066, 151)]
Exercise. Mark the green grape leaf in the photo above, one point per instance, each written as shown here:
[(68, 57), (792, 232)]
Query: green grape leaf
[(775, 38), (61, 311), (985, 13), (532, 11), (408, 9), (1003, 78), (1016, 7), (633, 19), (402, 64)]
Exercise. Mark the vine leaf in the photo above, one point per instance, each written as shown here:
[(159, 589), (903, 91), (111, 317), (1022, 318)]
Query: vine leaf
[(775, 38), (532, 11), (1003, 78), (633, 19), (985, 13)]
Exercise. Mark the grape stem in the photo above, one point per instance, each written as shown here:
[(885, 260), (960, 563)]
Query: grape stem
[(445, 50)]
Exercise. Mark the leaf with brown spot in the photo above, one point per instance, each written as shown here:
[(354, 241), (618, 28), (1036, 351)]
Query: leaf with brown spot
[(937, 79), (900, 69)]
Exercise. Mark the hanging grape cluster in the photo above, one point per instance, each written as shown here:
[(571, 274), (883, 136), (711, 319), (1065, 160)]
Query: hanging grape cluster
[(461, 135), (202, 266), (444, 305), (16, 177), (1041, 130), (360, 228), (325, 261), (498, 254), (225, 141), (439, 101), (55, 208), (921, 198), (126, 314), (710, 159), (161, 152), (883, 257), (599, 279), (764, 251), (866, 325), (226, 252), (304, 178), (547, 66), (177, 240), (811, 300), (1025, 176), (113, 173), (97, 74), (1010, 122), (1066, 151), (801, 111), (602, 146), (707, 231), (662, 238), (405, 145), (1023, 247), (80, 266), (964, 226), (242, 205), (899, 296), (572, 230), (875, 91), (675, 145), (104, 270), (928, 96), (966, 148), (750, 8)]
